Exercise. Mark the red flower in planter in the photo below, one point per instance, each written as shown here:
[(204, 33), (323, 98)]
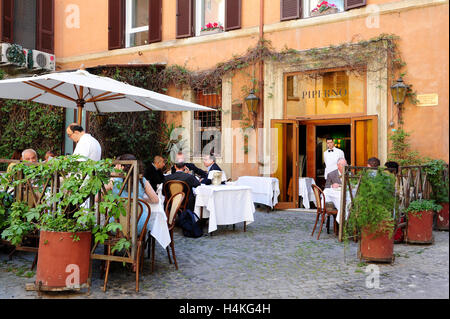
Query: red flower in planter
[(212, 26)]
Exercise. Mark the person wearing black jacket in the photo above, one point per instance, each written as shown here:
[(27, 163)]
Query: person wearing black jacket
[(190, 179), (210, 162), (189, 167), (154, 172)]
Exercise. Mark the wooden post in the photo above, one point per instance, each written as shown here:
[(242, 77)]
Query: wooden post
[(343, 200), (134, 210)]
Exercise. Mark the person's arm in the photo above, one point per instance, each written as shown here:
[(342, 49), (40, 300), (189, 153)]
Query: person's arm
[(328, 182), (108, 187), (195, 182), (151, 194)]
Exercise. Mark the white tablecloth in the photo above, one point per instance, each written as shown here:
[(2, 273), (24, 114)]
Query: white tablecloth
[(305, 190), (265, 190), (333, 195), (224, 204), (157, 224)]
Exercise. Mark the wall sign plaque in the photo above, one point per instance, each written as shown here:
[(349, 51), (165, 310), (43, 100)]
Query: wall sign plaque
[(428, 99)]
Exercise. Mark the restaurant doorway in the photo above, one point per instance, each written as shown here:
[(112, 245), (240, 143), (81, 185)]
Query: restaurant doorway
[(301, 144), (341, 135)]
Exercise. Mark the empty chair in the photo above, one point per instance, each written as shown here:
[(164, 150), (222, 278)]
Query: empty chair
[(172, 208), (324, 210), (115, 237)]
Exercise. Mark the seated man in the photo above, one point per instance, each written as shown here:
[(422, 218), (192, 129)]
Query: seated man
[(29, 155), (153, 173), (189, 167), (181, 175), (373, 162), (210, 162), (334, 177)]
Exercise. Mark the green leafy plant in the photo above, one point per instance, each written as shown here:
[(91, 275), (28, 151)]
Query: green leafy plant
[(374, 206), (439, 182), (417, 207), (400, 151), (65, 210), (25, 124)]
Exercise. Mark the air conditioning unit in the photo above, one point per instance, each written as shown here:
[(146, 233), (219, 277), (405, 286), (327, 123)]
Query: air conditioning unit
[(43, 60), (3, 47), (17, 53)]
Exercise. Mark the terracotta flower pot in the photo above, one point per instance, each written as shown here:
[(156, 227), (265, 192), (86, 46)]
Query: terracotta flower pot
[(377, 247), (442, 217), (419, 229), (63, 264)]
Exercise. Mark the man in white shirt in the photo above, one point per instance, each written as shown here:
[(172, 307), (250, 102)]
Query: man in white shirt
[(331, 156), (87, 145)]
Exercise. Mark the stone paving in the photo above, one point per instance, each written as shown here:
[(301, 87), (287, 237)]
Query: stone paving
[(275, 258)]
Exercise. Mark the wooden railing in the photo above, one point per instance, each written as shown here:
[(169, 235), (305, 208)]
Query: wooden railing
[(35, 195), (411, 183)]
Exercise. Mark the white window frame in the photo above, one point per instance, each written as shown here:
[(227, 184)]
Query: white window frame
[(129, 30), (200, 18)]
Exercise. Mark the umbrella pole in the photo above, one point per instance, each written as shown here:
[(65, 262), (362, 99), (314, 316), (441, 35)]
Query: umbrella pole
[(80, 105)]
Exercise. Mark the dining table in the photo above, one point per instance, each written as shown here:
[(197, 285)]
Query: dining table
[(224, 205), (265, 190), (334, 195), (305, 191)]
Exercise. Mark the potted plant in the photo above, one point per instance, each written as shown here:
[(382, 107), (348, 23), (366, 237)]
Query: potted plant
[(211, 28), (439, 190), (324, 8), (372, 217), (63, 217), (419, 221)]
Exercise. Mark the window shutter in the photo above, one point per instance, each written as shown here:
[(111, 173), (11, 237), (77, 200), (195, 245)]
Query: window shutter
[(7, 20), (155, 21), (291, 9), (185, 18), (116, 24), (232, 14), (45, 30), (352, 4)]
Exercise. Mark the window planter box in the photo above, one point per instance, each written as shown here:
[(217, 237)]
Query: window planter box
[(211, 31), (328, 11)]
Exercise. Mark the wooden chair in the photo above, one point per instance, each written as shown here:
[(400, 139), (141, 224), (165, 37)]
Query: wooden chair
[(114, 238), (323, 210), (174, 187), (173, 207)]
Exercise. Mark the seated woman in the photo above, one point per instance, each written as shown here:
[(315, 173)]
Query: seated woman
[(17, 155), (144, 189)]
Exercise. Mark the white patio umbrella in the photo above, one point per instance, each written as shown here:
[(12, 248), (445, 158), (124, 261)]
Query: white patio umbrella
[(82, 90)]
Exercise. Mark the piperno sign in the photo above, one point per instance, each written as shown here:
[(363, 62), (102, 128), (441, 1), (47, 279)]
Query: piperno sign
[(324, 93)]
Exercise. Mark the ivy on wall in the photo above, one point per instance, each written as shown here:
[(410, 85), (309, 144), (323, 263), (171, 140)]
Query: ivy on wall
[(26, 124)]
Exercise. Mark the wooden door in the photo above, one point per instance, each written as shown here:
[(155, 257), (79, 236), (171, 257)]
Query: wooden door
[(364, 139), (284, 147)]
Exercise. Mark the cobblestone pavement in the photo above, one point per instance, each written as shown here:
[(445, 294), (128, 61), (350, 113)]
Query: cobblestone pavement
[(275, 258)]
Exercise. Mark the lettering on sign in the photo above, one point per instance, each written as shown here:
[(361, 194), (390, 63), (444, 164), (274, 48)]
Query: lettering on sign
[(324, 93), (427, 99)]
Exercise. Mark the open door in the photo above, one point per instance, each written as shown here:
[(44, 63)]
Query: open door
[(284, 153), (364, 139)]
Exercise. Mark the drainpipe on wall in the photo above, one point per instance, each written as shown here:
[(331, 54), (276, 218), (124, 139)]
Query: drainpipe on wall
[(260, 118)]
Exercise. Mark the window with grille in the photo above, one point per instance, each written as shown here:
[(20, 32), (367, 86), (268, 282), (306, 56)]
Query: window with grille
[(208, 124)]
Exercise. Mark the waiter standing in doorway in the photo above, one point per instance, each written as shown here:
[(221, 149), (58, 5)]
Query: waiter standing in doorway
[(331, 156)]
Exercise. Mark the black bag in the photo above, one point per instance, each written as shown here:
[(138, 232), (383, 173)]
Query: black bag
[(190, 223)]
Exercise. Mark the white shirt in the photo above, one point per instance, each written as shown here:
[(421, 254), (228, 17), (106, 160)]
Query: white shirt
[(88, 146), (331, 159)]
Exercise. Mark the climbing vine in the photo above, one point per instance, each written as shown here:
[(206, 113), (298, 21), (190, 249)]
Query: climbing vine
[(26, 124)]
